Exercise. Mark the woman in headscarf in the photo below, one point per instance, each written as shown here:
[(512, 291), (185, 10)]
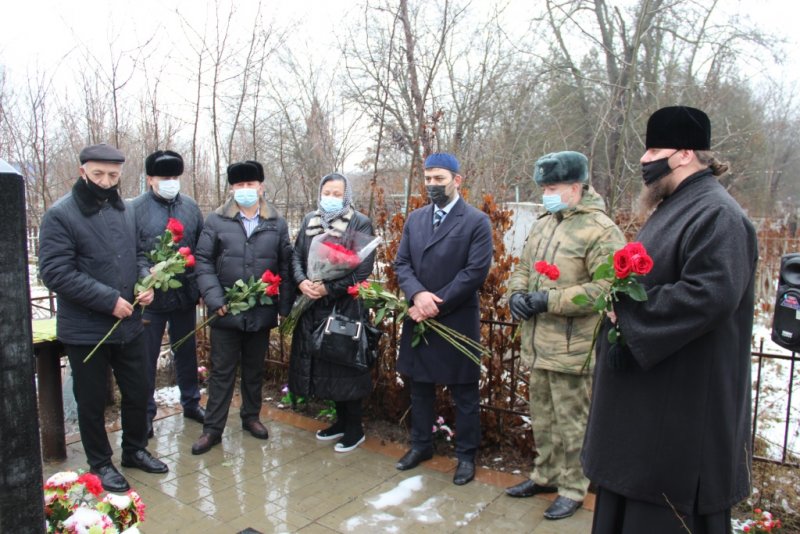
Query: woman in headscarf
[(309, 375)]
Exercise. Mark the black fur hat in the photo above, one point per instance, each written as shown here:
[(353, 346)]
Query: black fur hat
[(561, 168), (245, 171), (163, 163)]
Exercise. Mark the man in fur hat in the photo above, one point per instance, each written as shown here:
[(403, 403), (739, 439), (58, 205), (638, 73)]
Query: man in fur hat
[(668, 438), (176, 307), (241, 239), (574, 236)]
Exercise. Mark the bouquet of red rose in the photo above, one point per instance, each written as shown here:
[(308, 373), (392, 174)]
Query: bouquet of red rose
[(330, 257), (622, 268), (72, 504), (168, 261), (241, 297), (377, 298)]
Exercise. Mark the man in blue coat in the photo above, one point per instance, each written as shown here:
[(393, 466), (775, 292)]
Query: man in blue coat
[(444, 257)]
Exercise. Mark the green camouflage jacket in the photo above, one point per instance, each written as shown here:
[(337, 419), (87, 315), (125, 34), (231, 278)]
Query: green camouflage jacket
[(577, 241)]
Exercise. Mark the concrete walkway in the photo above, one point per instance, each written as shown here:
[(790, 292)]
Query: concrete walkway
[(295, 483)]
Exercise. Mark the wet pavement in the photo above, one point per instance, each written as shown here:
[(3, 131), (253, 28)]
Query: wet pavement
[(295, 483)]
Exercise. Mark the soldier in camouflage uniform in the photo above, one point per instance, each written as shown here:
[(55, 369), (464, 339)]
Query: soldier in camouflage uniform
[(564, 248)]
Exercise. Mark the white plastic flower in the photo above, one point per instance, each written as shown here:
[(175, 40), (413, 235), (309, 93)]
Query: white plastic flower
[(88, 521), (120, 502), (62, 479)]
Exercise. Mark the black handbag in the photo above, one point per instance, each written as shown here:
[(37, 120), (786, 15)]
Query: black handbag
[(342, 340)]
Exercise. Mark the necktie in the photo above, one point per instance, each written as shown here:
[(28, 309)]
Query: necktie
[(437, 218)]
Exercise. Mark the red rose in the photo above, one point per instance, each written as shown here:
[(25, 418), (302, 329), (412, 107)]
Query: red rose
[(272, 290), (189, 261), (540, 266), (353, 290), (184, 251), (552, 272), (635, 248), (176, 229), (270, 278), (622, 263), (92, 483), (641, 263)]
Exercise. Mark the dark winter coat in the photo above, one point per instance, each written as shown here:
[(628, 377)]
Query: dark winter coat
[(452, 263), (87, 256), (308, 375), (225, 254), (152, 213), (674, 424)]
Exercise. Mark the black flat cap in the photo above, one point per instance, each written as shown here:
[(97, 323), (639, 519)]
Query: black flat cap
[(163, 163), (245, 171), (101, 152)]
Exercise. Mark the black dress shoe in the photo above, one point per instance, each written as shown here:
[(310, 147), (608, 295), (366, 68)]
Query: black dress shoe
[(562, 507), (464, 472), (255, 428), (111, 479), (198, 413), (205, 442), (143, 460), (412, 459), (528, 489)]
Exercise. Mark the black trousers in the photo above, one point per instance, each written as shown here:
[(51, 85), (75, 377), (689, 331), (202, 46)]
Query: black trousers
[(616, 514), (231, 349), (466, 398), (181, 322), (127, 360)]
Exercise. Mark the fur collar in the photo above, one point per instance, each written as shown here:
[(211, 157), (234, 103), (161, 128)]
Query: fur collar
[(90, 204), (231, 209), (337, 226)]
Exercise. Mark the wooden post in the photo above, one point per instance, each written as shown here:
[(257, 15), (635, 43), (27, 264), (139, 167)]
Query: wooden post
[(21, 497)]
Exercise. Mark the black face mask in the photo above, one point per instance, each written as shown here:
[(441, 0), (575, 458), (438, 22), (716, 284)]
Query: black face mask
[(438, 195), (101, 193), (655, 170)]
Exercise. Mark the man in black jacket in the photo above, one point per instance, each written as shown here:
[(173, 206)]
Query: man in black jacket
[(244, 237), (88, 257), (668, 438), (175, 306)]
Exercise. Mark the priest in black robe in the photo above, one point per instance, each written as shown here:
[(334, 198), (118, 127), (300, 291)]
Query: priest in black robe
[(668, 438)]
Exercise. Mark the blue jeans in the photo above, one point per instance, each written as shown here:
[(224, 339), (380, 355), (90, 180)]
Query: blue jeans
[(181, 322)]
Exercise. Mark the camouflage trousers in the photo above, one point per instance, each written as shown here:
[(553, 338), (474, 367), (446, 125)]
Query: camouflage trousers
[(559, 405)]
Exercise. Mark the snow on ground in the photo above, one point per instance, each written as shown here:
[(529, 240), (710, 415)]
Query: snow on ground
[(773, 397)]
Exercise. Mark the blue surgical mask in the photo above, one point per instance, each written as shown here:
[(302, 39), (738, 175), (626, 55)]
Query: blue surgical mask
[(331, 204), (168, 189), (246, 197), (553, 204)]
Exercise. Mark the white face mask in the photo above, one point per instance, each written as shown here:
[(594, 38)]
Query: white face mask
[(168, 189)]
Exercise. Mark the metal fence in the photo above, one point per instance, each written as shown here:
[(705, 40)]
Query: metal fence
[(504, 382)]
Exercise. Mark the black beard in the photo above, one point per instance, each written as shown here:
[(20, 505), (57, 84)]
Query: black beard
[(650, 197)]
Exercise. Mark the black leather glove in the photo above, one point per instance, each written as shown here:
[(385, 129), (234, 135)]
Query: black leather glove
[(537, 302), (518, 305)]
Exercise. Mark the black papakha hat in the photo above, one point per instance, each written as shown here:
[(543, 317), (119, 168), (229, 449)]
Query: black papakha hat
[(101, 152), (561, 168), (679, 127), (163, 163), (245, 171)]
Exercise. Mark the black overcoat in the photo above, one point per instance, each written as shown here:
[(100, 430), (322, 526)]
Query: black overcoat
[(308, 375), (452, 262), (673, 427)]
